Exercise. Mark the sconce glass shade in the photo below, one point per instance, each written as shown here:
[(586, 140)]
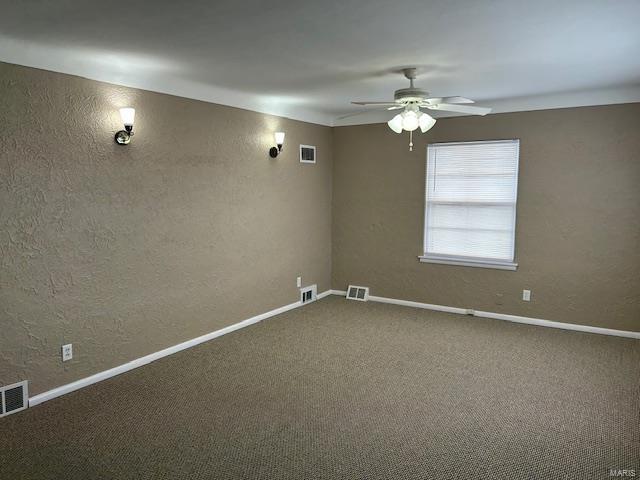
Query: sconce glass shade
[(279, 138), (127, 115), (395, 123), (426, 122)]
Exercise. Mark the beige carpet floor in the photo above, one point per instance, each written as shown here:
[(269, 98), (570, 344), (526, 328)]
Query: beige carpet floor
[(350, 390)]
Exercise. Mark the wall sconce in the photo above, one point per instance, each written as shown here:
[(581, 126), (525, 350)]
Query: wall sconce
[(274, 151), (123, 137)]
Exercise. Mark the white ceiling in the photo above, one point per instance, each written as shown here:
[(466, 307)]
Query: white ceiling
[(307, 60)]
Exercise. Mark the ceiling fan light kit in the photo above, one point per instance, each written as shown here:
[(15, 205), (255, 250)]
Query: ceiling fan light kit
[(411, 120), (412, 99)]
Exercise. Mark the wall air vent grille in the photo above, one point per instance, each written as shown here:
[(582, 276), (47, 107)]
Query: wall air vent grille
[(14, 398), (308, 294), (355, 292), (307, 154)]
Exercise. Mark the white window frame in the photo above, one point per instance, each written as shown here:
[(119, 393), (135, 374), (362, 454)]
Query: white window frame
[(465, 260)]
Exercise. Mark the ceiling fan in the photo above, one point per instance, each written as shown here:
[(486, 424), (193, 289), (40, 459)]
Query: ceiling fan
[(413, 99)]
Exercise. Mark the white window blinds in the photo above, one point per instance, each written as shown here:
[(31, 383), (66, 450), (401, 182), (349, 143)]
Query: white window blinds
[(470, 208)]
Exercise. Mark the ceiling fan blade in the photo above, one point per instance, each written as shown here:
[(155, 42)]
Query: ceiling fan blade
[(449, 107), (396, 107), (375, 103), (456, 100), (361, 112), (436, 100)]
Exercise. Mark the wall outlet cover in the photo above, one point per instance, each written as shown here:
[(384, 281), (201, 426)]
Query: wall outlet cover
[(526, 295), (67, 352)]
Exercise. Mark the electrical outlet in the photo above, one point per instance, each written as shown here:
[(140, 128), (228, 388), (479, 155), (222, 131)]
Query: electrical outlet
[(67, 352), (526, 295), (299, 282)]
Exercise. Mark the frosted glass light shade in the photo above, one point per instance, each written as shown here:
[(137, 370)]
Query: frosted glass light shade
[(395, 123), (279, 136), (426, 122), (127, 115), (409, 121)]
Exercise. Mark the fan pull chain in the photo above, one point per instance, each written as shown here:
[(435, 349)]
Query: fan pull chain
[(411, 141)]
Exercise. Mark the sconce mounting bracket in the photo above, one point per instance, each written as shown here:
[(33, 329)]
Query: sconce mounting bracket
[(123, 137)]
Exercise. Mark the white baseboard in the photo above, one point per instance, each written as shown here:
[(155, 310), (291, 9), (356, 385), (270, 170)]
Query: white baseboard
[(139, 362), (428, 306), (552, 324), (502, 316)]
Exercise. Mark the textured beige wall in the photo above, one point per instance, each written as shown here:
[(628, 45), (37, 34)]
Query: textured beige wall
[(578, 225), (123, 251)]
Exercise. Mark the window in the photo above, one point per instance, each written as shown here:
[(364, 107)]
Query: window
[(470, 207)]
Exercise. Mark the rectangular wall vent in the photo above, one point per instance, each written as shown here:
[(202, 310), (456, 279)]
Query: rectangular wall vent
[(308, 294), (307, 154), (14, 398), (355, 292)]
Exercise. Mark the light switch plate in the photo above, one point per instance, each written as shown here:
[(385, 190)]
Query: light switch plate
[(526, 295)]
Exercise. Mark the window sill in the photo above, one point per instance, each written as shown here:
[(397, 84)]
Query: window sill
[(469, 263)]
